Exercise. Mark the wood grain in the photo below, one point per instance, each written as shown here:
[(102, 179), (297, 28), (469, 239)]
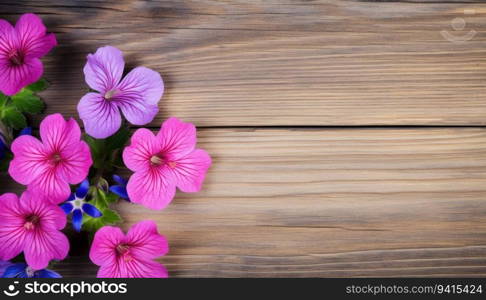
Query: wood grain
[(327, 202), (287, 62)]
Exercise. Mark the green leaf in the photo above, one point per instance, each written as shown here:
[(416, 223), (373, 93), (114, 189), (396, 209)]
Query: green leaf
[(38, 86), (102, 199), (26, 101), (112, 198), (99, 199), (97, 151), (95, 145), (13, 118), (109, 217), (3, 100), (119, 139)]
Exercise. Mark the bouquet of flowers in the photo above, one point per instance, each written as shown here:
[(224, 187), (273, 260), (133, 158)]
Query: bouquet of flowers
[(72, 175)]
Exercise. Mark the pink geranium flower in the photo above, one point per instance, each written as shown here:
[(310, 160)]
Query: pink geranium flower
[(50, 165), (131, 255), (163, 162), (20, 49), (137, 95), (31, 225)]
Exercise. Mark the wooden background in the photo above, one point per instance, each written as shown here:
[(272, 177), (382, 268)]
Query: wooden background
[(348, 137)]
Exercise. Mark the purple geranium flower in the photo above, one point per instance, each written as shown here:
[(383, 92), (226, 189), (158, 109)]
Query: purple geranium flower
[(137, 95), (77, 205), (32, 226), (20, 49)]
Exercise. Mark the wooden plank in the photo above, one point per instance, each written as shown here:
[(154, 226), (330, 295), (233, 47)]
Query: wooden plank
[(367, 202), (258, 63)]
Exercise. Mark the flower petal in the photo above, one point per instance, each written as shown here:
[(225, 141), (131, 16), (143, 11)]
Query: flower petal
[(29, 159), (8, 39), (120, 180), (177, 138), (104, 69), (32, 36), (77, 219), (3, 266), (147, 241), (91, 210), (133, 269), (102, 250), (5, 28), (145, 82), (138, 95), (58, 134), (190, 171), (82, 190), (76, 162), (101, 118), (119, 190), (14, 78), (67, 207), (15, 270), (45, 246), (26, 131), (135, 110), (142, 147), (12, 237), (53, 216), (152, 188), (51, 185)]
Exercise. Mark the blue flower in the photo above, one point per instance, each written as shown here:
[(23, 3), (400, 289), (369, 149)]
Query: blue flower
[(121, 188), (25, 131), (22, 270), (4, 265), (77, 205)]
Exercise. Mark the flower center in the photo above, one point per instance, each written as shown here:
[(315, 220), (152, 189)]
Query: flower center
[(123, 250), (78, 203), (16, 58), (158, 160), (31, 221), (110, 94), (56, 158), (29, 271)]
